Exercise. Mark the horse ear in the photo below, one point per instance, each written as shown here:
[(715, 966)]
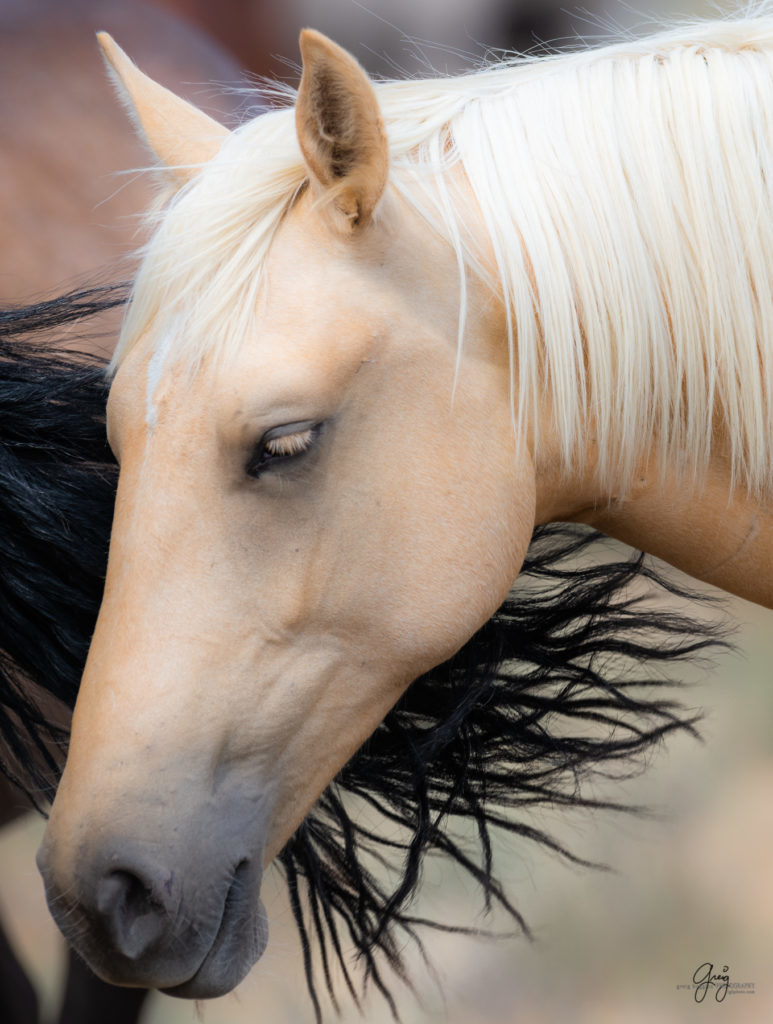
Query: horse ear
[(180, 135), (340, 129)]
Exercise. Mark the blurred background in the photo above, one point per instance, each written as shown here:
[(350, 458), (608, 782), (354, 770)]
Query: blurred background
[(690, 884)]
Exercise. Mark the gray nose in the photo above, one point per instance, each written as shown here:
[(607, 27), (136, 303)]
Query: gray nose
[(133, 906), (123, 903), (168, 906)]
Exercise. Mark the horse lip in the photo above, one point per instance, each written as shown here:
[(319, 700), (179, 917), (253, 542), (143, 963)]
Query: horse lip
[(239, 942)]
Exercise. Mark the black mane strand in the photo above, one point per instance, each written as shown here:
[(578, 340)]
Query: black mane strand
[(566, 683), (57, 488)]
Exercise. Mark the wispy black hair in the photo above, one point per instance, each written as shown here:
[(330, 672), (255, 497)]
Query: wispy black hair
[(57, 488), (564, 684)]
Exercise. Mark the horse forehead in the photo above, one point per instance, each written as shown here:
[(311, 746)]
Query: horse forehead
[(180, 411), (150, 388), (306, 269), (311, 262)]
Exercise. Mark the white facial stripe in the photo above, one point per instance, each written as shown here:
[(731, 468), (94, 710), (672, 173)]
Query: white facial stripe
[(155, 371)]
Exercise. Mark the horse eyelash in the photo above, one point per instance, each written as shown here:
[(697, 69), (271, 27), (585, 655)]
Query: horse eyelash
[(290, 444), (296, 441)]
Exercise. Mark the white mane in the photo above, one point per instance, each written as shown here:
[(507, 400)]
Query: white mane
[(625, 194)]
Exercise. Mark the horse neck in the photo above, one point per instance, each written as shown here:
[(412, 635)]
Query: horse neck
[(709, 526), (717, 534)]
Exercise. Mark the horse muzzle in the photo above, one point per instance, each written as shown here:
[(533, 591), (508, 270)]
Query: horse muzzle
[(184, 917)]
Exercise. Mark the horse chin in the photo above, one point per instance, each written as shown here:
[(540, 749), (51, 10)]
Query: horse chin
[(240, 941)]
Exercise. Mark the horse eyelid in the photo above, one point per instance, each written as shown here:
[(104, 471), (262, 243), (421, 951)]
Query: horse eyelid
[(290, 444), (282, 444)]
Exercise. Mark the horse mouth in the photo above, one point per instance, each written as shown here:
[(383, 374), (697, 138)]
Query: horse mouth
[(240, 941)]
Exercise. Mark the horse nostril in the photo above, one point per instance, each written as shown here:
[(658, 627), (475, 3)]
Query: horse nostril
[(133, 916)]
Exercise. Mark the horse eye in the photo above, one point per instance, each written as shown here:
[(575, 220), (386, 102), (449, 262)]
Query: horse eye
[(282, 445)]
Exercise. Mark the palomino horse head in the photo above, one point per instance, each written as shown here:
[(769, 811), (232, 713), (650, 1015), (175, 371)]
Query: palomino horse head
[(307, 519), (322, 493)]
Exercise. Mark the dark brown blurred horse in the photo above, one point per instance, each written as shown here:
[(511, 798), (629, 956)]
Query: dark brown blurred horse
[(68, 206)]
